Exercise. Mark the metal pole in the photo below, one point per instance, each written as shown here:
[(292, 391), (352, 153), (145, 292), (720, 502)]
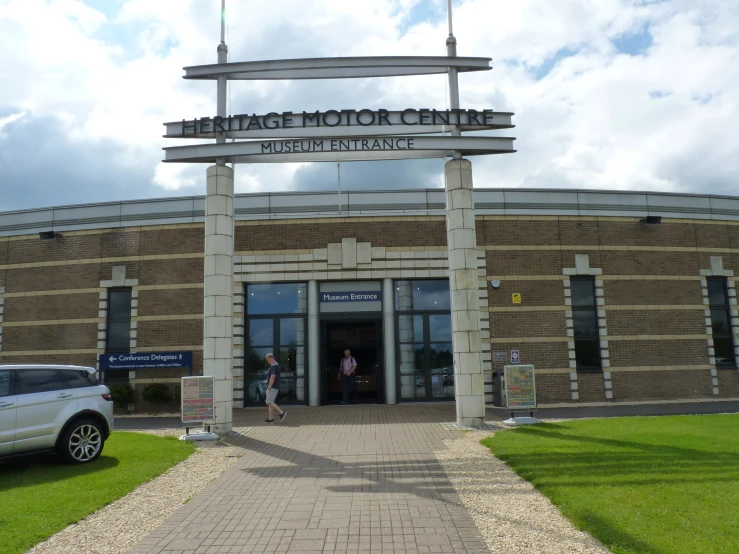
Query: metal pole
[(451, 50), (338, 171), (222, 83)]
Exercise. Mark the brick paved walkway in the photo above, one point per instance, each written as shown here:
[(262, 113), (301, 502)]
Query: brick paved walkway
[(330, 479)]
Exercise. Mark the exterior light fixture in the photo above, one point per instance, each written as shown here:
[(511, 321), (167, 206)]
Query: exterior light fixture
[(652, 220), (49, 235)]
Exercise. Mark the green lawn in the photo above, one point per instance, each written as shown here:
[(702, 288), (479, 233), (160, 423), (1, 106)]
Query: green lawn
[(648, 485), (40, 497)]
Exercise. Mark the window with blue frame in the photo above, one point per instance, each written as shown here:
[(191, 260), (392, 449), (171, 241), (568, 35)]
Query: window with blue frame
[(276, 323), (424, 327)]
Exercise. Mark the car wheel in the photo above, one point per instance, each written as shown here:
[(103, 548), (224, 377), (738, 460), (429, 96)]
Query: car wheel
[(82, 442)]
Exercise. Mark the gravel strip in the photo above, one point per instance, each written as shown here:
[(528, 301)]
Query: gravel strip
[(120, 525), (513, 517)]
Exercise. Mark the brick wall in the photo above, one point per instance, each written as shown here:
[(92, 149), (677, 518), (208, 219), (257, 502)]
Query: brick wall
[(283, 236), (527, 324), (646, 293), (171, 302), (553, 388), (661, 385), (50, 337), (533, 293), (649, 261), (544, 355), (656, 322), (170, 333), (56, 306)]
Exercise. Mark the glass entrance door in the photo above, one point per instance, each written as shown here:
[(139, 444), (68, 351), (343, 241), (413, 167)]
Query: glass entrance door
[(363, 339)]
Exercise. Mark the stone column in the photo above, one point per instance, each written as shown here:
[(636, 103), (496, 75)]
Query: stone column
[(218, 317), (388, 316), (314, 371), (463, 284), (407, 362)]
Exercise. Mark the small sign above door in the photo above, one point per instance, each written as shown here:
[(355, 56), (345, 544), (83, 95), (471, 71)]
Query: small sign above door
[(351, 296)]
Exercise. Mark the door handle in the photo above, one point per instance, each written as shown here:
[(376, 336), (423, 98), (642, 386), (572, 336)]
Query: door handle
[(6, 404), (65, 395)]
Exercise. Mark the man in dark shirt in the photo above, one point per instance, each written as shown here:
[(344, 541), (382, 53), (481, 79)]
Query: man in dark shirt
[(273, 387)]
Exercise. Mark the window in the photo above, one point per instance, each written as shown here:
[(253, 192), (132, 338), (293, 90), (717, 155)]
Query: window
[(119, 321), (422, 295), (276, 323), (585, 320), (723, 342), (30, 381), (4, 383), (281, 298), (424, 326), (78, 379)]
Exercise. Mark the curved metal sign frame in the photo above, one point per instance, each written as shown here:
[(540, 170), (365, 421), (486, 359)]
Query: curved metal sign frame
[(337, 68), (339, 149)]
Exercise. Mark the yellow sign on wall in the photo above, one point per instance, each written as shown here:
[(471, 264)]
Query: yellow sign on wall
[(516, 297)]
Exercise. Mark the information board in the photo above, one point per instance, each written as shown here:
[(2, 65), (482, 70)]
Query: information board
[(520, 387), (197, 400)]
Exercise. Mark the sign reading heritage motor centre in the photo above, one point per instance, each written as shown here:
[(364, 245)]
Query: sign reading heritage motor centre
[(318, 123)]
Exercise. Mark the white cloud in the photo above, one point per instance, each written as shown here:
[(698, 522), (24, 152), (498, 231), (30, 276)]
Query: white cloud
[(660, 119)]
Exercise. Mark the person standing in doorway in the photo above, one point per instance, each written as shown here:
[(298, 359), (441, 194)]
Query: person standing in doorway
[(347, 370), (273, 387)]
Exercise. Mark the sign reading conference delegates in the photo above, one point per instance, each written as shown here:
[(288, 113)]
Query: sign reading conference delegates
[(520, 388), (351, 296), (197, 399), (145, 360)]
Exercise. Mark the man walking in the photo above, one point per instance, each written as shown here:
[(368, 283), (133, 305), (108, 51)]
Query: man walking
[(273, 387), (347, 369)]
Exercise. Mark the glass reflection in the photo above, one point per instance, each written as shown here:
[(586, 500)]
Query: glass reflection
[(276, 298), (261, 332), (583, 292), (422, 295), (440, 328)]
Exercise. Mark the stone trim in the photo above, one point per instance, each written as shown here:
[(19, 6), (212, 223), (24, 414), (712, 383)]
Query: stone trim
[(486, 346), (604, 277), (239, 338), (582, 267), (717, 270), (634, 308), (38, 323), (97, 261), (604, 247), (52, 352), (59, 292)]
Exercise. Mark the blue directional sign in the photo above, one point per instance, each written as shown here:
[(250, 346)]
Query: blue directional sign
[(145, 360)]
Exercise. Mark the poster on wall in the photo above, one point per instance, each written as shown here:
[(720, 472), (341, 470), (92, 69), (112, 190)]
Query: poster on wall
[(520, 387), (197, 400)]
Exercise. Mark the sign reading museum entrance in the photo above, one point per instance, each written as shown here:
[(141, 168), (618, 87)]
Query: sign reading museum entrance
[(367, 296)]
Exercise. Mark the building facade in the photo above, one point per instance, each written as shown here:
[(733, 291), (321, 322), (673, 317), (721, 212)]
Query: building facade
[(613, 297)]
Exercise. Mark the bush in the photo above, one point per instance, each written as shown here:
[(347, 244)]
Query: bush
[(123, 395), (157, 393)]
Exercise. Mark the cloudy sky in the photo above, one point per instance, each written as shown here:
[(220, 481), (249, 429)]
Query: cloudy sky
[(608, 94)]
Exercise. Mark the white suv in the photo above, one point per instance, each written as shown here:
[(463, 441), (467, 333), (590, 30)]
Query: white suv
[(53, 407)]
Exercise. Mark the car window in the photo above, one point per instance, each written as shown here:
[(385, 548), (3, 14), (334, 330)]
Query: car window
[(4, 383), (78, 378), (29, 381)]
